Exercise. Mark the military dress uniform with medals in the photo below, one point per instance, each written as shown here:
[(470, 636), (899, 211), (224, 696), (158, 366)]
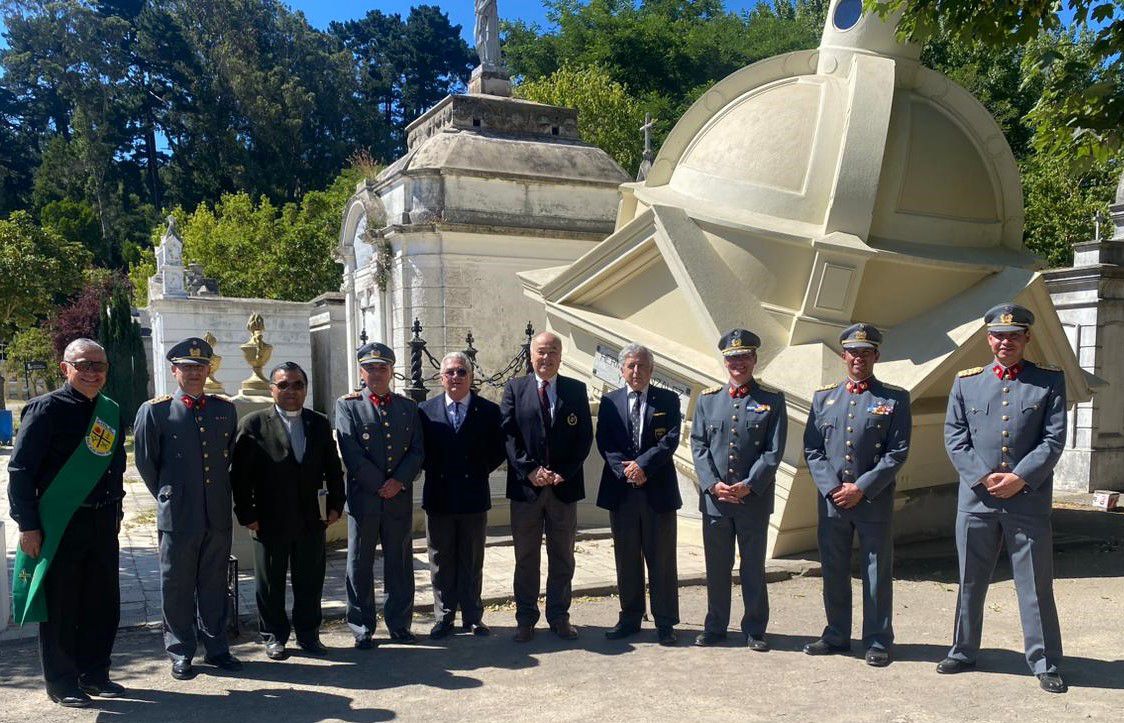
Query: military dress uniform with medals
[(857, 432), (65, 479), (737, 434), (1007, 419), (380, 438), (183, 448)]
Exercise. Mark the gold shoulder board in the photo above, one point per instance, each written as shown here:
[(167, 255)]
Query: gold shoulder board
[(353, 395), (825, 387), (161, 399), (969, 372), (712, 390)]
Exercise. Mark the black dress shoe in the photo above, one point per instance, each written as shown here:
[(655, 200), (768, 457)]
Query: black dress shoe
[(621, 631), (878, 657), (104, 688), (403, 636), (524, 633), (183, 670), (564, 630), (363, 642), (757, 643), (443, 629), (312, 645), (1052, 683), (948, 666), (71, 698), (226, 661), (275, 650), (822, 647), (477, 628), (666, 636), (708, 639)]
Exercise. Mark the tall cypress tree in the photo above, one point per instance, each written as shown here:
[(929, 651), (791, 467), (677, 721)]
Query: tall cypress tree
[(127, 383)]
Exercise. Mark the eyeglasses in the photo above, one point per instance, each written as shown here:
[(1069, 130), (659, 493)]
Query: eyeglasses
[(298, 385), (456, 372), (90, 366)]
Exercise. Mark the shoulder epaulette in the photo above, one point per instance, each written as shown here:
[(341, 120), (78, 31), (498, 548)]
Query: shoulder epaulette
[(713, 390), (969, 372), (894, 387), (1048, 367), (161, 399), (222, 397), (825, 387), (353, 395)]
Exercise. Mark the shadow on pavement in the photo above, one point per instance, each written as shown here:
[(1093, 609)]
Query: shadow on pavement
[(292, 706), (1078, 672)]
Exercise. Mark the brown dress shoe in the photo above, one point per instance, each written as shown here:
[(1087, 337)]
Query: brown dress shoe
[(524, 633), (564, 630)]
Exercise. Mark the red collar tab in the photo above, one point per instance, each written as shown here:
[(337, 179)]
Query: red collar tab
[(858, 387), (1007, 373), (191, 403), (739, 392), (381, 401)]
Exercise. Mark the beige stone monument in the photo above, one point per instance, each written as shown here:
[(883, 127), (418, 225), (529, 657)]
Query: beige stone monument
[(799, 195), (213, 385), (257, 353)]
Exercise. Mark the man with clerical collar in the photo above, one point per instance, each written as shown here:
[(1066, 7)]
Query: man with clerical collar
[(464, 443), (855, 442), (549, 431), (380, 439), (637, 435), (65, 490), (288, 487), (1004, 432), (183, 447), (737, 439)]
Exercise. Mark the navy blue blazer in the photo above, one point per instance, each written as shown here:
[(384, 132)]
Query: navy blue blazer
[(659, 438), (570, 437), (458, 462)]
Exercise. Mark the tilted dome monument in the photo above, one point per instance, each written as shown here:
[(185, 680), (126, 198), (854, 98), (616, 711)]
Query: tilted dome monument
[(798, 195)]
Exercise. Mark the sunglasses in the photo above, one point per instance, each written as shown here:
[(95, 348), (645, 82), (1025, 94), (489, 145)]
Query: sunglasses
[(90, 366), (458, 372), (296, 386)]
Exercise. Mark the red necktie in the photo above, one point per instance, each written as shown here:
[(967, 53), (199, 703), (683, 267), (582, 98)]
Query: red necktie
[(191, 403), (857, 387), (380, 400), (1011, 372), (739, 391)]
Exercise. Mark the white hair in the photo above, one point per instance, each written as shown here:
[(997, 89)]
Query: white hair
[(459, 356), (637, 350), (78, 346)]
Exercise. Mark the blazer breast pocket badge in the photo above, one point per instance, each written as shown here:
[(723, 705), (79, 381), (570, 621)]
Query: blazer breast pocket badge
[(572, 420), (660, 432)]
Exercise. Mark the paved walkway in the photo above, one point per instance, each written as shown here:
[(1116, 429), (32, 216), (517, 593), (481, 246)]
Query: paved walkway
[(595, 572)]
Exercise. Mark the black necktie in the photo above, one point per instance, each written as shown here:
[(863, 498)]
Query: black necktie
[(544, 409), (634, 420)]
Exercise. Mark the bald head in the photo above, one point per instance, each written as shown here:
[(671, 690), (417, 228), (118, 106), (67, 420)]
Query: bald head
[(546, 354)]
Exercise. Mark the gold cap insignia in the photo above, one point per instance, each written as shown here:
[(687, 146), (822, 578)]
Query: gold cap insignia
[(736, 341), (1007, 318), (859, 335), (196, 351)]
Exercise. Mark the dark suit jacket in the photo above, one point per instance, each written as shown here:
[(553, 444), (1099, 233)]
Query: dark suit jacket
[(658, 441), (273, 489), (458, 462), (570, 437)]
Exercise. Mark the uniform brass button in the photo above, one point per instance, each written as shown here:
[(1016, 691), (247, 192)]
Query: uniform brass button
[(758, 444), (206, 469), (1006, 389), (1005, 402), (848, 458), (202, 429), (849, 429), (1006, 433), (733, 456), (846, 471), (1006, 449), (204, 455), (731, 445), (730, 471), (208, 481), (204, 443), (225, 453), (1005, 417), (850, 416), (878, 445), (734, 418), (852, 402), (386, 424), (1004, 464), (849, 444)]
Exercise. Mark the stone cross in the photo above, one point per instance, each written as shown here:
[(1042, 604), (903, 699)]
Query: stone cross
[(1098, 219), (648, 156)]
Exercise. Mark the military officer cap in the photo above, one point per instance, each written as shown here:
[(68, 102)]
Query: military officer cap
[(1009, 317), (738, 341), (860, 336), (375, 353), (191, 350)]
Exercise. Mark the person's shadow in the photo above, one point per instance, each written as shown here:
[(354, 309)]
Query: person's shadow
[(1078, 672), (292, 706)]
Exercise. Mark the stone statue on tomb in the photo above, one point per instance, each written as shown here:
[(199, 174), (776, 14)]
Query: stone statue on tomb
[(212, 385), (487, 34)]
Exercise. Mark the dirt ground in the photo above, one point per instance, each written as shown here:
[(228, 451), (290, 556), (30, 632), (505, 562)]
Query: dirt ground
[(495, 679)]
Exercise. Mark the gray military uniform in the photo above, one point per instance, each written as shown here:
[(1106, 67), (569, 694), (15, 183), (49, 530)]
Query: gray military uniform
[(861, 438), (183, 455), (377, 444), (736, 440), (1013, 425)]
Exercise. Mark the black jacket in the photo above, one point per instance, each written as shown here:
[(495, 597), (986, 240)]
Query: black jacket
[(457, 463), (271, 488), (658, 440), (569, 438)]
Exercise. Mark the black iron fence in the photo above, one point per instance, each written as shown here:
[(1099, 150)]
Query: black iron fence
[(421, 358)]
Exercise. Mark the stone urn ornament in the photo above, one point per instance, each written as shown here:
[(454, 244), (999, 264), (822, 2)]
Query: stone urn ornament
[(213, 385), (257, 352)]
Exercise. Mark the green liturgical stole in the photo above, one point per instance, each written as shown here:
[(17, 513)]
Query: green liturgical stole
[(62, 497)]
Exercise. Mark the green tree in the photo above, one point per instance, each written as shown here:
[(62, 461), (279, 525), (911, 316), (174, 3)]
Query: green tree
[(38, 270), (608, 117), (119, 333), (1061, 202), (1082, 120), (33, 344)]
